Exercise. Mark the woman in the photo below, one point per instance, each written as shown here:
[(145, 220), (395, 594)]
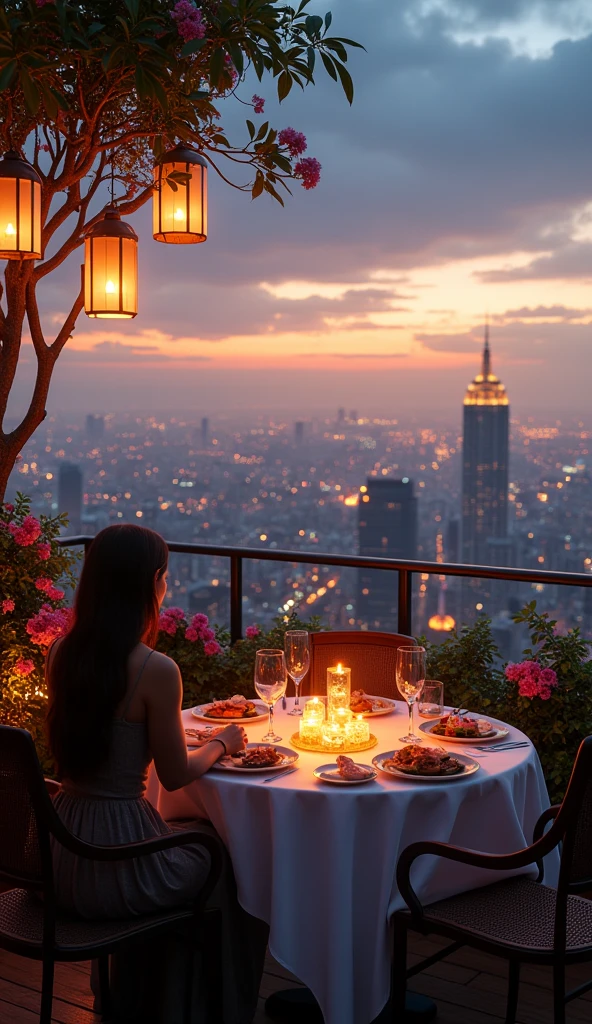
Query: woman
[(114, 707)]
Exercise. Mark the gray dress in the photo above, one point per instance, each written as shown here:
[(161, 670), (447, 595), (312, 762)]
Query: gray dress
[(110, 808)]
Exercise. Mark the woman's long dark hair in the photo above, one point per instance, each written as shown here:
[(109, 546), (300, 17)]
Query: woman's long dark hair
[(115, 608)]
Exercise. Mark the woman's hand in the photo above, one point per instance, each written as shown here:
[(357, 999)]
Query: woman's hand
[(234, 738)]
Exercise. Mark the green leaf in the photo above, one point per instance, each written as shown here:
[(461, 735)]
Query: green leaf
[(258, 185), (329, 66), (251, 129), (216, 67), (349, 42), (199, 94), (171, 183), (346, 82), (328, 19), (7, 74), (313, 25), (269, 188), (284, 85), (49, 99), (30, 91), (193, 46), (133, 7), (262, 131)]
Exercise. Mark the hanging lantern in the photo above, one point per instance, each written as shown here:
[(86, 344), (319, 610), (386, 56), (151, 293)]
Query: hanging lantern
[(20, 209), (111, 268), (181, 216)]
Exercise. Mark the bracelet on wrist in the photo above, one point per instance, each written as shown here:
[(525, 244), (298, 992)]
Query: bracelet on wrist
[(216, 739)]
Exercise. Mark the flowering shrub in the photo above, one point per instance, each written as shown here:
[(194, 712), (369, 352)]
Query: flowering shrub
[(548, 695), (32, 612)]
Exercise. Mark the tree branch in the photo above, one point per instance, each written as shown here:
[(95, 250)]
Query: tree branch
[(34, 320), (68, 326)]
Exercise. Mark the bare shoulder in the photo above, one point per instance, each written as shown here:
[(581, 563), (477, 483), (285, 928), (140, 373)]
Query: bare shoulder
[(162, 678)]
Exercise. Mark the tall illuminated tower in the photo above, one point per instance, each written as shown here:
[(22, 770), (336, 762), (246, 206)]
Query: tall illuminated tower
[(485, 467)]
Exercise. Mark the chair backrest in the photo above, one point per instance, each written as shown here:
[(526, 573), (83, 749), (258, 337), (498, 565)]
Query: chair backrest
[(25, 855), (372, 658), (574, 821)]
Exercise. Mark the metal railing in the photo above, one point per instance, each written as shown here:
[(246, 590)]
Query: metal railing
[(405, 567)]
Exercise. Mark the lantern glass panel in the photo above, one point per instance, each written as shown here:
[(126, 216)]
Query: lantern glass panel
[(20, 218), (111, 275), (181, 216)]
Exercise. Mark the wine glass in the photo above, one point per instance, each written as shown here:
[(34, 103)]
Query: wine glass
[(411, 673), (297, 661), (270, 683)]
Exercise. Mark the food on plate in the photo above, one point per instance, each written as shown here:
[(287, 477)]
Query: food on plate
[(205, 734), (351, 771), (257, 757), (462, 726), (414, 760), (236, 707), (361, 704)]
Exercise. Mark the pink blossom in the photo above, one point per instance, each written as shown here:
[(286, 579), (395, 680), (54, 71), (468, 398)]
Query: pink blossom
[(43, 3), (174, 613), (258, 103), (190, 23), (212, 647), (532, 679), (252, 631), (27, 533), (207, 634), (43, 551), (24, 667), (48, 624), (548, 677), (44, 583), (191, 634), (200, 621), (293, 140), (309, 170), (229, 66), (8, 605), (9, 507)]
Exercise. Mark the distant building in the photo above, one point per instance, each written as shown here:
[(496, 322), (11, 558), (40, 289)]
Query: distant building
[(95, 427), (70, 495), (452, 541), (387, 528), (341, 415), (299, 432), (205, 431), (353, 416), (485, 468)]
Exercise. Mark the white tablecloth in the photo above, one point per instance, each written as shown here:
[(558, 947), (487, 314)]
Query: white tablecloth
[(317, 862)]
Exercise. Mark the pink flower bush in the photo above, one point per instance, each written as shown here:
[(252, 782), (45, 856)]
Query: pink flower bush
[(309, 170), (27, 533), (189, 20), (45, 585), (200, 621), (212, 647), (251, 632), (532, 679), (258, 103), (169, 620), (199, 629), (43, 552), (7, 605), (294, 141), (24, 667), (48, 624)]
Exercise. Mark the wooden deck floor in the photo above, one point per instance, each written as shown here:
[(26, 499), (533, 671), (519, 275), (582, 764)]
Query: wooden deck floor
[(469, 988)]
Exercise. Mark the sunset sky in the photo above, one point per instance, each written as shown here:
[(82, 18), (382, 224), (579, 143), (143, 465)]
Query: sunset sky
[(460, 181)]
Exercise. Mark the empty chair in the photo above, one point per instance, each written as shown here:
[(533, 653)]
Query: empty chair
[(372, 658)]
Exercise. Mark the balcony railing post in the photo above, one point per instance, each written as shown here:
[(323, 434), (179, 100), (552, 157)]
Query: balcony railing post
[(404, 604), (236, 598)]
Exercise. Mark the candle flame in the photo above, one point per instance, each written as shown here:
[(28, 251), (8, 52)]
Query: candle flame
[(109, 287), (340, 668), (360, 718), (10, 230), (179, 214)]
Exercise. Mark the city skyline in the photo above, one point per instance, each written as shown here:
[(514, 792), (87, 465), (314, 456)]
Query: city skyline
[(458, 182)]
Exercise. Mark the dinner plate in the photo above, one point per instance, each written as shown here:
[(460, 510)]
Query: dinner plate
[(194, 742), (228, 764), (471, 767), (329, 773), (261, 708), (496, 734), (379, 711)]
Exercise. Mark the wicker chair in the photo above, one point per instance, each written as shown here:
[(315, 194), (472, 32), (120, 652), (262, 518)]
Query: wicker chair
[(372, 658), (519, 919), (30, 924)]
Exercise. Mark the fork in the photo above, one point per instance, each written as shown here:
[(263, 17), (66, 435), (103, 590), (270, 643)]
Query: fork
[(280, 775), (500, 746)]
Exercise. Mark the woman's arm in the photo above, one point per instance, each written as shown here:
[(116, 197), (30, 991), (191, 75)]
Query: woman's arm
[(175, 766)]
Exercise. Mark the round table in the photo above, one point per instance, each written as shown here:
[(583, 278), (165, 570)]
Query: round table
[(317, 861)]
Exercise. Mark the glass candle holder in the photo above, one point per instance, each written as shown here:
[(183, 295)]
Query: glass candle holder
[(341, 716), (309, 731), (357, 731), (332, 735), (338, 688), (314, 711)]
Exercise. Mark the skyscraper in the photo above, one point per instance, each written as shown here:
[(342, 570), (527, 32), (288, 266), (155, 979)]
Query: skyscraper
[(485, 468), (387, 528), (95, 427), (205, 431), (70, 495), (299, 431)]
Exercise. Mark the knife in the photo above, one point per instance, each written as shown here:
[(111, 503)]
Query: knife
[(280, 775)]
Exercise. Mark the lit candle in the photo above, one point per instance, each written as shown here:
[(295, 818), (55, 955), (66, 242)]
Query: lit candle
[(309, 731), (357, 731), (338, 688), (314, 711), (341, 716), (332, 735)]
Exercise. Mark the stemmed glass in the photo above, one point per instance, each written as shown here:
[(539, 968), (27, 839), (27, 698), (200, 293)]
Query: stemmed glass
[(270, 683), (297, 661), (411, 673)]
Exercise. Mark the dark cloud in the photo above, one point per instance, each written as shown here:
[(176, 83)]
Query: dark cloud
[(573, 260)]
